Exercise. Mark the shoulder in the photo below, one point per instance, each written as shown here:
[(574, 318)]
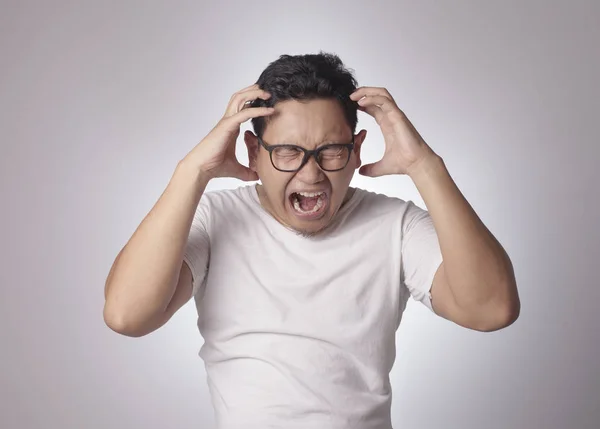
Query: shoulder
[(379, 204), (228, 198), (227, 205), (241, 194)]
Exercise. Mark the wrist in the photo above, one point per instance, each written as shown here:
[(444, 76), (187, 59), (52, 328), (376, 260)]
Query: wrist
[(426, 166), (193, 171)]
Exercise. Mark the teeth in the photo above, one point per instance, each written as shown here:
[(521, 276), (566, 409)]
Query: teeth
[(314, 209), (310, 194)]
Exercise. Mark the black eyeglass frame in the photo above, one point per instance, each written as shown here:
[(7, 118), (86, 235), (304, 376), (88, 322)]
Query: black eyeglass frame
[(307, 154)]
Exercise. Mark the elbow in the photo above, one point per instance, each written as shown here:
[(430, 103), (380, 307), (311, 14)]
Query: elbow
[(118, 322), (500, 318)]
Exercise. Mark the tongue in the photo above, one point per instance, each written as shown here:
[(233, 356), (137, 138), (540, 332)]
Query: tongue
[(307, 203)]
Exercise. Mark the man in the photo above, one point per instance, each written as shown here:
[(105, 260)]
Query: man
[(300, 282)]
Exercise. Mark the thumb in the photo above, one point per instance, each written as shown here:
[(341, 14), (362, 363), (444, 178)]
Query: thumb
[(372, 170), (244, 173)]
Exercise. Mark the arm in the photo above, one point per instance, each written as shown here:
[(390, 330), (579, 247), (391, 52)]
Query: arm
[(149, 281), (475, 285)]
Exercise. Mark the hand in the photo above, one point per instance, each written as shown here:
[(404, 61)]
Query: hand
[(215, 156), (404, 147)]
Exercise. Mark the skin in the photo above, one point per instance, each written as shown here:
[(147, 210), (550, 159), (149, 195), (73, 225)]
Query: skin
[(474, 287), (309, 124)]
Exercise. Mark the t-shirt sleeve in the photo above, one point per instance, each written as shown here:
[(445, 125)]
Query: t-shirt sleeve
[(421, 254), (197, 249)]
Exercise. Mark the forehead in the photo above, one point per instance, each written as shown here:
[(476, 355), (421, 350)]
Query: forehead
[(307, 123)]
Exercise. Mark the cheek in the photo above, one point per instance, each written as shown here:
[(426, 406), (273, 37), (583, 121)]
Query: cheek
[(266, 173), (340, 185), (342, 180), (274, 184), (263, 164)]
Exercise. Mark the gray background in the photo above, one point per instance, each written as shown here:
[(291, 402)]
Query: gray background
[(99, 100)]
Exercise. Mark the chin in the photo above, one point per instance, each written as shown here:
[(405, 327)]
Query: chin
[(308, 233), (310, 227)]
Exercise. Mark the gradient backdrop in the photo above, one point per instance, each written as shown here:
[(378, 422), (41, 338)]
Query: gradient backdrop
[(100, 100)]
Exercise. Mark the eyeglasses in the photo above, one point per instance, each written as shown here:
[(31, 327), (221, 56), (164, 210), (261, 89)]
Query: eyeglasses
[(291, 158)]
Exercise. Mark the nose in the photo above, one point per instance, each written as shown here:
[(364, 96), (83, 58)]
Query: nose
[(310, 172)]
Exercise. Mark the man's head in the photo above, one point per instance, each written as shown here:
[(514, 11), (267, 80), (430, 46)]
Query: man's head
[(313, 110)]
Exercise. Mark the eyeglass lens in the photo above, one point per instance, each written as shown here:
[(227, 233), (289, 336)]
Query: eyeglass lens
[(289, 158)]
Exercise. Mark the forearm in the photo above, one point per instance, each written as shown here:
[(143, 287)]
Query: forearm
[(478, 270), (144, 276)]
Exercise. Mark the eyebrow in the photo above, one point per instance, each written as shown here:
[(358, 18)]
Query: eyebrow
[(323, 143)]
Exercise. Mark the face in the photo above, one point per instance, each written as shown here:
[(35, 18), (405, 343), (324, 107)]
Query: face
[(306, 200)]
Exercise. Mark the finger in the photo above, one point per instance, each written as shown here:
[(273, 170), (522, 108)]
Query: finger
[(253, 112), (380, 101), (250, 88), (372, 170), (241, 100), (239, 118), (370, 90), (374, 111), (244, 105), (244, 173), (236, 95)]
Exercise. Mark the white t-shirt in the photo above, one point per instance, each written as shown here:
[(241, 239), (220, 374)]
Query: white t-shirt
[(300, 332)]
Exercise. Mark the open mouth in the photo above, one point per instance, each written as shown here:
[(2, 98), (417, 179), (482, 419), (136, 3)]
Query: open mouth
[(309, 205)]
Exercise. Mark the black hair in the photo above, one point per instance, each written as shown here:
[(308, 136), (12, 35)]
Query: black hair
[(307, 77)]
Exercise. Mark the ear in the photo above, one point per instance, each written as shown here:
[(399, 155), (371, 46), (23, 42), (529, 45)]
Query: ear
[(252, 145), (358, 141)]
